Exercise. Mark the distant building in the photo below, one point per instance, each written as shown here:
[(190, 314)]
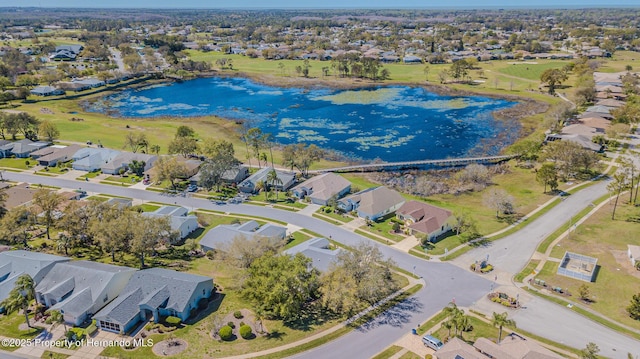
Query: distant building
[(179, 219), (224, 234), (21, 148), (59, 154), (46, 91), (634, 254)]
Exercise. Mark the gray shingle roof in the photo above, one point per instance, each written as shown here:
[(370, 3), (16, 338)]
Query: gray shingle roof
[(317, 249), (225, 233), (152, 287), (16, 263)]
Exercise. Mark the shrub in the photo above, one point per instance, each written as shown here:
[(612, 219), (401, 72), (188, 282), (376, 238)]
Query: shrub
[(75, 334), (173, 321), (225, 333), (238, 314), (328, 210), (428, 356), (48, 320), (92, 328), (245, 332), (241, 324), (505, 302), (231, 325), (210, 254)]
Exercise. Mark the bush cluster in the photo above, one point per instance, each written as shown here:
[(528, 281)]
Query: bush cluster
[(245, 332), (173, 321), (226, 333), (238, 314)]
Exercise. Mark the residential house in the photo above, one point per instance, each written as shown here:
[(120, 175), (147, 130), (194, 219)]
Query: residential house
[(45, 151), (633, 252), (46, 91), (318, 250), (513, 346), (154, 293), (457, 348), (13, 264), (179, 219), (320, 189), (249, 185), (18, 195), (59, 155), (21, 148), (92, 159), (234, 175), (583, 141), (425, 219), (191, 166), (66, 52), (225, 233), (372, 203), (119, 202), (124, 159), (81, 288)]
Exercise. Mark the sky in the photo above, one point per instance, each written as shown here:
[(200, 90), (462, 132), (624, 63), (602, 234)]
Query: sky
[(296, 4)]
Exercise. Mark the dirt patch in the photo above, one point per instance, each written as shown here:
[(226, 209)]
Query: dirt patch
[(169, 347), (622, 259)]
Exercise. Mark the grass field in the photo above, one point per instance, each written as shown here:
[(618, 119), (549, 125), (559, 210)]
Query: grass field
[(530, 71), (606, 240)]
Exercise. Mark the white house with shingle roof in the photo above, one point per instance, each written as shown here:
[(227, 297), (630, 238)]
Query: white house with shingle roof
[(224, 234), (179, 219), (81, 288), (318, 250), (154, 293), (13, 264), (320, 189), (372, 203)]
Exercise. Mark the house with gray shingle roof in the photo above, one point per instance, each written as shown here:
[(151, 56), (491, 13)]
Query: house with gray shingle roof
[(179, 219), (318, 250), (372, 203), (13, 264), (124, 159), (320, 189), (249, 185), (224, 234), (154, 293), (92, 159), (62, 154), (22, 148), (81, 288)]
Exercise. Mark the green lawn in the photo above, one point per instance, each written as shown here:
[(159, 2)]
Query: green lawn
[(126, 179), (340, 218), (10, 326), (388, 353), (17, 163), (529, 71), (606, 240), (298, 237), (89, 175), (53, 355), (146, 207), (384, 227)]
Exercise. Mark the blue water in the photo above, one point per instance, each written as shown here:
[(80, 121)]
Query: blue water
[(394, 123)]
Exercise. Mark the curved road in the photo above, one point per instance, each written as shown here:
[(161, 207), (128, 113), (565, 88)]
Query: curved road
[(444, 281)]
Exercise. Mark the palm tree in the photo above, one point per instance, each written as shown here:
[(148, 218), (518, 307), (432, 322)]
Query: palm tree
[(274, 180), (155, 149), (56, 319), (20, 296), (500, 320), (261, 186), (263, 157)]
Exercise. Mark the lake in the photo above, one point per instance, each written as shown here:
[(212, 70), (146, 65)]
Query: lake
[(391, 123)]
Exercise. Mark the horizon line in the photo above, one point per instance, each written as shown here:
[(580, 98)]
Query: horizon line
[(461, 7)]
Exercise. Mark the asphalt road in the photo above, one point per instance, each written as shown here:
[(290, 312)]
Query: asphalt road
[(512, 252), (444, 281)]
